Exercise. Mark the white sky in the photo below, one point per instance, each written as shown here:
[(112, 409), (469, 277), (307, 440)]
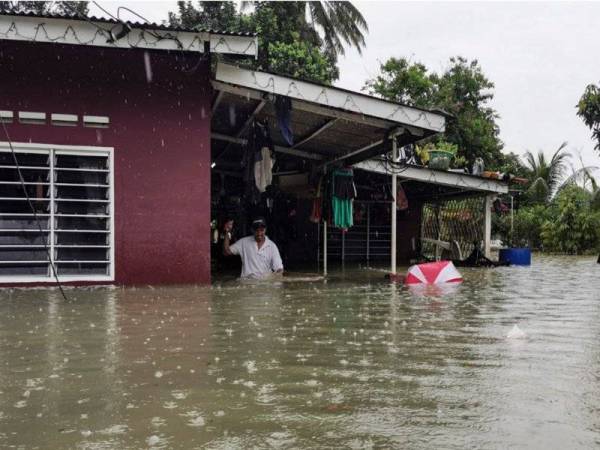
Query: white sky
[(540, 56)]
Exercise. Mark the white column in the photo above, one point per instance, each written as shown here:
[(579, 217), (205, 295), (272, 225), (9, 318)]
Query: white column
[(325, 247), (487, 226), (394, 190)]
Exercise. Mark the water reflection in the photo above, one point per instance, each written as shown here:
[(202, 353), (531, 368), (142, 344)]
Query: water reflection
[(352, 362)]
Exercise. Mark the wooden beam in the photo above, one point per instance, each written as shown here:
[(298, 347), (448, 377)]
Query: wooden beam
[(316, 132), (261, 104), (217, 100), (365, 148), (277, 148), (249, 120)]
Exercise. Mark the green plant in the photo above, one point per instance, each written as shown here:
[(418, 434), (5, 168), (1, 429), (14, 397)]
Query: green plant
[(459, 162), (462, 90), (588, 109), (575, 227), (448, 147)]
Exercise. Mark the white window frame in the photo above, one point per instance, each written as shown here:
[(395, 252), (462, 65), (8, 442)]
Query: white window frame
[(83, 150)]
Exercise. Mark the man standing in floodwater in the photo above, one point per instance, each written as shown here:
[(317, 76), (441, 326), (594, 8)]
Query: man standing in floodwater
[(260, 256)]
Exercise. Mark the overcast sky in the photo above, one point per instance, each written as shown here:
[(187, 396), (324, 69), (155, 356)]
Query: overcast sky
[(539, 55)]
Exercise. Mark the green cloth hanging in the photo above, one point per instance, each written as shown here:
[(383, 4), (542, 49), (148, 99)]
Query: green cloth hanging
[(342, 212)]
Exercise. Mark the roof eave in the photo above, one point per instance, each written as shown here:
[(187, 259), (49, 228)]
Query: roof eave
[(98, 34)]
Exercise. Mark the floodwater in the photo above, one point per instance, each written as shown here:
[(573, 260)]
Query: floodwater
[(352, 363)]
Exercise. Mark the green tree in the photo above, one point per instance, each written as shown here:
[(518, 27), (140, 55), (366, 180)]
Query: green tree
[(208, 15), (588, 109), (404, 82), (301, 39), (545, 176), (61, 7), (300, 60), (575, 229), (462, 90), (512, 163)]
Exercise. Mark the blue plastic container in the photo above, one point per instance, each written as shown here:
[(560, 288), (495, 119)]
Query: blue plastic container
[(515, 256)]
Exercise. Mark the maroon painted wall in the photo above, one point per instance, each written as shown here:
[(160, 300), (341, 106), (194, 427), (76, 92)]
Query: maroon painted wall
[(160, 130)]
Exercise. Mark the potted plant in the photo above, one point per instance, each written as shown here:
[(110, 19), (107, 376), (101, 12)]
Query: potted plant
[(438, 155)]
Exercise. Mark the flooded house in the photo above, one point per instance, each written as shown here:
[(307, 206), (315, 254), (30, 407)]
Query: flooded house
[(125, 145)]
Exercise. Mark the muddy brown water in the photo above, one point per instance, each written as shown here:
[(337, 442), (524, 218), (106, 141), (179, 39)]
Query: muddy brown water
[(353, 362)]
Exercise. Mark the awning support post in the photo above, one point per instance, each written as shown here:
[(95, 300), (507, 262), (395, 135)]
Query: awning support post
[(393, 206), (368, 231), (325, 248), (487, 226)]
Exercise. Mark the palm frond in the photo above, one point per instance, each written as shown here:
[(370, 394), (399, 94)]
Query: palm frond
[(341, 22)]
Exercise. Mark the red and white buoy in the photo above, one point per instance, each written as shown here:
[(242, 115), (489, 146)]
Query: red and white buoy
[(433, 273)]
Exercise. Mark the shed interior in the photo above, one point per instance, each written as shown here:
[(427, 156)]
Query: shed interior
[(324, 138)]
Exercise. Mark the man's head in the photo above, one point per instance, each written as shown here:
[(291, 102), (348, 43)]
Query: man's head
[(259, 226)]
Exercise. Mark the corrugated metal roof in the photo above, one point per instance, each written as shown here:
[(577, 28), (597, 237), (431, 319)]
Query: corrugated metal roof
[(133, 24)]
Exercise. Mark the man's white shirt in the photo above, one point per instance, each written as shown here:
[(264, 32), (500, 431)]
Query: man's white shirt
[(257, 263)]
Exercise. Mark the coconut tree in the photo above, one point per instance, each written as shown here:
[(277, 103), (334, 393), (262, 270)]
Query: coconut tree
[(299, 39), (340, 22), (545, 176)]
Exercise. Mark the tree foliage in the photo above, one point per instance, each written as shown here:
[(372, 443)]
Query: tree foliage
[(404, 82), (575, 228), (300, 39), (60, 7), (462, 90), (588, 109), (545, 176)]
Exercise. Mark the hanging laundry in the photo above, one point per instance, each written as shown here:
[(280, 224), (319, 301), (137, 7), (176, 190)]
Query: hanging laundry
[(317, 207), (342, 213), (263, 170), (401, 200), (258, 162), (343, 194), (283, 109)]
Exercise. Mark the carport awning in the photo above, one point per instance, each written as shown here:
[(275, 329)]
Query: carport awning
[(463, 182), (329, 124)]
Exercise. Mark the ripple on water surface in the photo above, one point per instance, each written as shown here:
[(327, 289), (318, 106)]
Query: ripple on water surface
[(353, 362)]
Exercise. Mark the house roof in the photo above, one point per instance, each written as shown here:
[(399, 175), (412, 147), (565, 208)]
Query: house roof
[(329, 124), (101, 32), (462, 181), (134, 24)]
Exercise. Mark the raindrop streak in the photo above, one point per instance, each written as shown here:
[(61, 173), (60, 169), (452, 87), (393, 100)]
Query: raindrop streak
[(232, 116), (148, 67)]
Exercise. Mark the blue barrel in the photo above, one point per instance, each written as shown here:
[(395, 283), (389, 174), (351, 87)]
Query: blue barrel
[(516, 256)]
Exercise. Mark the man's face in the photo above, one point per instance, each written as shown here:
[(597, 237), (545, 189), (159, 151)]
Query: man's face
[(259, 234)]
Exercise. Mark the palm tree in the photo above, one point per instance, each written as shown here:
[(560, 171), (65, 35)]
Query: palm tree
[(584, 178), (545, 176), (340, 22), (337, 22)]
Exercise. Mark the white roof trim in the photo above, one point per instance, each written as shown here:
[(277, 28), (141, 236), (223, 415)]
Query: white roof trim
[(83, 32), (444, 178), (330, 97)]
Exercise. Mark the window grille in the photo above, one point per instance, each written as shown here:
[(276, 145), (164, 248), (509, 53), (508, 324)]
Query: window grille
[(71, 192)]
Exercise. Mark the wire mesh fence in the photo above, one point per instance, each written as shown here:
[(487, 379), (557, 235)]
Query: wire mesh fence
[(451, 229)]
